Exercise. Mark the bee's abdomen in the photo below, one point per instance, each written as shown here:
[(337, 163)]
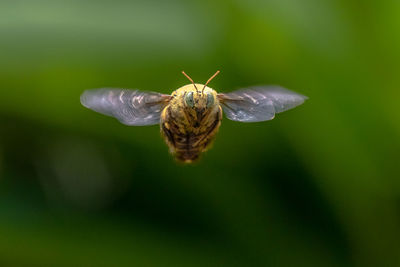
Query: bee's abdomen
[(189, 147), (186, 147), (186, 142), (186, 152)]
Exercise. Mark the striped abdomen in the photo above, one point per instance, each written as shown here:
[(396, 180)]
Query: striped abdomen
[(188, 137)]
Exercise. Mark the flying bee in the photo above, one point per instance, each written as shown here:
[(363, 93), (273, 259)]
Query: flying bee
[(190, 117)]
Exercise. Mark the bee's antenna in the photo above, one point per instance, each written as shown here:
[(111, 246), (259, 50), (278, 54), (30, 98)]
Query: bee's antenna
[(190, 79), (209, 80)]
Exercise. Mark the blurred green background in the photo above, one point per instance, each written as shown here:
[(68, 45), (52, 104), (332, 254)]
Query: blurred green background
[(317, 186)]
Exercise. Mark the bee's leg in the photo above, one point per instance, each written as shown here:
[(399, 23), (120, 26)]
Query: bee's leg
[(208, 137), (166, 131)]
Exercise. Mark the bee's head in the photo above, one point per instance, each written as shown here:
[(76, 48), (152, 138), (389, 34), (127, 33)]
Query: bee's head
[(200, 99)]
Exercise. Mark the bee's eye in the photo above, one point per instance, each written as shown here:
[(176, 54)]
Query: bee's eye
[(210, 100), (189, 99)]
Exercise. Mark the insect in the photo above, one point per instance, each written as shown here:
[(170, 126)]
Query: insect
[(190, 117)]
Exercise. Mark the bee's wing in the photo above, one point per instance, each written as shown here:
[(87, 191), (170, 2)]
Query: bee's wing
[(258, 103), (130, 107)]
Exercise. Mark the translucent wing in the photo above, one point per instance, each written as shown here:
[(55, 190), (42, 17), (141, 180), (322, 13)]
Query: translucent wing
[(258, 103), (130, 107)]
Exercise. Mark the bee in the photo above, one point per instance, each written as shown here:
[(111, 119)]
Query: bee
[(190, 117)]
